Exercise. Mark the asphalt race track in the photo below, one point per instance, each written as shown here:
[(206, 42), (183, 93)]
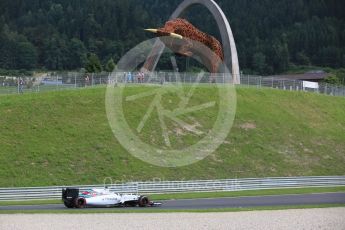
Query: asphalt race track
[(237, 202)]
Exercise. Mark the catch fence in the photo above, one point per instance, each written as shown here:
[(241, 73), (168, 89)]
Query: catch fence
[(19, 85)]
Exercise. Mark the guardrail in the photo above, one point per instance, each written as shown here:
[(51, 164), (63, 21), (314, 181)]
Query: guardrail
[(161, 187)]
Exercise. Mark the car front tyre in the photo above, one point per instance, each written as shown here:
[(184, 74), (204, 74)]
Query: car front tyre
[(143, 201)]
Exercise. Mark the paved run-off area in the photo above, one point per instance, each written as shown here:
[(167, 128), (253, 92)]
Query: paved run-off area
[(325, 218)]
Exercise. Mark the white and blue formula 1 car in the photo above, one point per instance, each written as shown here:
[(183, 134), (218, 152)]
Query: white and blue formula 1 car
[(74, 198)]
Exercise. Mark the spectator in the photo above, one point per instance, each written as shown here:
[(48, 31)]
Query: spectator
[(142, 77), (129, 77), (87, 80), (21, 85)]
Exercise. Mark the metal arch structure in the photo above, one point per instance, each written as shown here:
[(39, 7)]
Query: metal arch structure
[(228, 41)]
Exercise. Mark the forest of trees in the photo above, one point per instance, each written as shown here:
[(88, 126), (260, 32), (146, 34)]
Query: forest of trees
[(271, 35)]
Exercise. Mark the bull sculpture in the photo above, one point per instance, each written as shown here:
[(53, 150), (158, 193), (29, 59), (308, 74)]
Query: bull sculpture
[(183, 31)]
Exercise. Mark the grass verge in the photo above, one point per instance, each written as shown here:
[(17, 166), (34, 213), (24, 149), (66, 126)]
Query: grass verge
[(266, 192), (53, 138)]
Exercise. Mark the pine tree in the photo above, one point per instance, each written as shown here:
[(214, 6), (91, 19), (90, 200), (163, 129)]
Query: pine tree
[(63, 32), (259, 63), (93, 64), (77, 54), (110, 66), (26, 56)]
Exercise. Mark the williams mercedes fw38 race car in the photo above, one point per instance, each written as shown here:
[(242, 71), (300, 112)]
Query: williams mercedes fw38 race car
[(74, 198)]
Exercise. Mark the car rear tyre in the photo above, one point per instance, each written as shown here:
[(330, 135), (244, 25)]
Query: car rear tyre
[(68, 204)]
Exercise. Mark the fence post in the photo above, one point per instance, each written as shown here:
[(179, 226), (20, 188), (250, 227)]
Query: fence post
[(18, 79)]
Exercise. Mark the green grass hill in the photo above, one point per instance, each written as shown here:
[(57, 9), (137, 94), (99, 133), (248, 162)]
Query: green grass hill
[(63, 138)]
